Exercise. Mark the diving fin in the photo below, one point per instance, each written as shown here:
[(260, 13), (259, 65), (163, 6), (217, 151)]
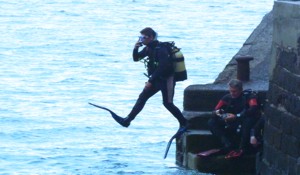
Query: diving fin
[(180, 131), (117, 118)]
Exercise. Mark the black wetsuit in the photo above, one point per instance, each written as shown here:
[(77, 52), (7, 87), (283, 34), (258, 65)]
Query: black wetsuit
[(247, 107), (161, 76)]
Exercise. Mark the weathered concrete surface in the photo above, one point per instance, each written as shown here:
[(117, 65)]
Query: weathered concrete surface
[(258, 45), (286, 14), (220, 165), (282, 127)]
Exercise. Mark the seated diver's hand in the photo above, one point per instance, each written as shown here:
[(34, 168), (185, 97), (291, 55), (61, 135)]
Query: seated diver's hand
[(253, 141), (230, 117), (217, 112)]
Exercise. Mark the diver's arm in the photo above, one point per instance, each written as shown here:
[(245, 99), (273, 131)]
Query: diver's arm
[(136, 55)]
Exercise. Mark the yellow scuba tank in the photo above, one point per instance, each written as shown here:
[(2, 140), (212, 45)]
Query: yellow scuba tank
[(180, 73)]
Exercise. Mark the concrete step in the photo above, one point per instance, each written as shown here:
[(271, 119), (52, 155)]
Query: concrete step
[(195, 141), (198, 120), (200, 140), (218, 164), (203, 97)]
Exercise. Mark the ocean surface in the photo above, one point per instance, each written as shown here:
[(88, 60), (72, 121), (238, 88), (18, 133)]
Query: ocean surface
[(56, 56)]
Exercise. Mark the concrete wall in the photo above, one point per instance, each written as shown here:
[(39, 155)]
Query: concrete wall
[(281, 54), (200, 100), (282, 128)]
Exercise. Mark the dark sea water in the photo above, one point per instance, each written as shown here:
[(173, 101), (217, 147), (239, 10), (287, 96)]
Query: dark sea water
[(56, 56)]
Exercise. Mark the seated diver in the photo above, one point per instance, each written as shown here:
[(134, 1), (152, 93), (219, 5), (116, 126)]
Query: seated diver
[(234, 116)]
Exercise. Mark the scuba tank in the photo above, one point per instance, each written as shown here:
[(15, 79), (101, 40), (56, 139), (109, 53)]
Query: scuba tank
[(180, 73)]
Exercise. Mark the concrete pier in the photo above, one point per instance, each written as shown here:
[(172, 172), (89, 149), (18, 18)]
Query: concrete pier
[(275, 74)]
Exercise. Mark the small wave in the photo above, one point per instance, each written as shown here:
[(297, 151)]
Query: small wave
[(111, 149), (131, 172)]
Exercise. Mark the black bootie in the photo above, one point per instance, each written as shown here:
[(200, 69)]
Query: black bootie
[(125, 122)]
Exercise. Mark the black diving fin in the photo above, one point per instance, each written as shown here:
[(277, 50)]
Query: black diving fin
[(117, 118), (180, 131)]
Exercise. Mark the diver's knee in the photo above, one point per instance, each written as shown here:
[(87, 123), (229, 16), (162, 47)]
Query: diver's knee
[(168, 105)]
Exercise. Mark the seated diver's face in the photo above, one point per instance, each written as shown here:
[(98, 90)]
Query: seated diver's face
[(235, 92)]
